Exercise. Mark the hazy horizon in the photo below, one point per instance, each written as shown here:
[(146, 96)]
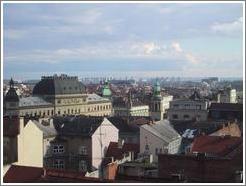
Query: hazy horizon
[(138, 39)]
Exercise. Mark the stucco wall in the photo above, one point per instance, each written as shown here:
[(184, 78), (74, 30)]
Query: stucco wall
[(30, 146), (100, 142)]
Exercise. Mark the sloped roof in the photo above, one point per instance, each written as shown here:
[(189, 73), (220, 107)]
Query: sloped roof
[(95, 98), (215, 145), (56, 85), (47, 130), (33, 101), (22, 174), (163, 130), (121, 124), (77, 125), (11, 95), (226, 106)]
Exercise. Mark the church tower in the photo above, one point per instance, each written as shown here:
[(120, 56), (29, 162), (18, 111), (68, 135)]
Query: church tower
[(156, 104), (106, 92), (11, 101)]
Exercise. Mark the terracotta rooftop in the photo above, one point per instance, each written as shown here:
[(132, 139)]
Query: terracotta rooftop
[(216, 145), (22, 174), (226, 106), (115, 151)]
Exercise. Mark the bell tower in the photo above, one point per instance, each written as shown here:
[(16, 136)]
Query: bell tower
[(156, 104), (11, 101)]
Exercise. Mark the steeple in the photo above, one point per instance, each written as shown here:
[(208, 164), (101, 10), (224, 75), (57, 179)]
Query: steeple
[(11, 83), (11, 95), (106, 92), (157, 89)]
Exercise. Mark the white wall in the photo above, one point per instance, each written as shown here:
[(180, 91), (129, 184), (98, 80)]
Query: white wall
[(109, 133), (30, 146), (153, 142)]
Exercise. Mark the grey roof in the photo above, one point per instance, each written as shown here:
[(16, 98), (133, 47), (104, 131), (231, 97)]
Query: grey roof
[(163, 130), (11, 95), (57, 85), (95, 98), (33, 101), (77, 125), (48, 131)]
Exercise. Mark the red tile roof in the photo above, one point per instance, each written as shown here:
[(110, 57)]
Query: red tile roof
[(116, 152), (216, 145), (22, 174)]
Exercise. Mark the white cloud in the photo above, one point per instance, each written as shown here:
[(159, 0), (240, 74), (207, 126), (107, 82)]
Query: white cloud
[(191, 58), (229, 27), (176, 47), (150, 48)]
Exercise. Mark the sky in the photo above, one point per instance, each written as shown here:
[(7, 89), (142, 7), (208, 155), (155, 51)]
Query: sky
[(134, 39)]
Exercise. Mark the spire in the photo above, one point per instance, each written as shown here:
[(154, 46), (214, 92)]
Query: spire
[(11, 94), (11, 83), (157, 88)]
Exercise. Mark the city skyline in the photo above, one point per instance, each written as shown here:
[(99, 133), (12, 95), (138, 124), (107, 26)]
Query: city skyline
[(161, 39)]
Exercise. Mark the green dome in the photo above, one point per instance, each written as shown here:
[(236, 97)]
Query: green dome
[(106, 92)]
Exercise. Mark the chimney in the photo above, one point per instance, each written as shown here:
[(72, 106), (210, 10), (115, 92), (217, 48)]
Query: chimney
[(21, 124), (120, 143)]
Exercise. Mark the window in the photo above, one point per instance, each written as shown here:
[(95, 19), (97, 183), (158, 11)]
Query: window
[(198, 107), (52, 112), (59, 112), (175, 106), (186, 116), (48, 112), (175, 116), (83, 150), (58, 149), (79, 111), (160, 150), (156, 150), (58, 101), (82, 166), (187, 106), (98, 107), (58, 164)]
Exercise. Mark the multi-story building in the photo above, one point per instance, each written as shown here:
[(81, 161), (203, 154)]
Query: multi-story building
[(227, 95), (81, 143), (56, 95), (34, 143), (129, 107), (193, 108), (159, 137), (159, 103)]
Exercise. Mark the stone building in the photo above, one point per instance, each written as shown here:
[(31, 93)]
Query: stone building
[(194, 108), (56, 95), (228, 95), (159, 103), (159, 137)]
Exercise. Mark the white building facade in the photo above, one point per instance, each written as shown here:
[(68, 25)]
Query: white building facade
[(159, 138)]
